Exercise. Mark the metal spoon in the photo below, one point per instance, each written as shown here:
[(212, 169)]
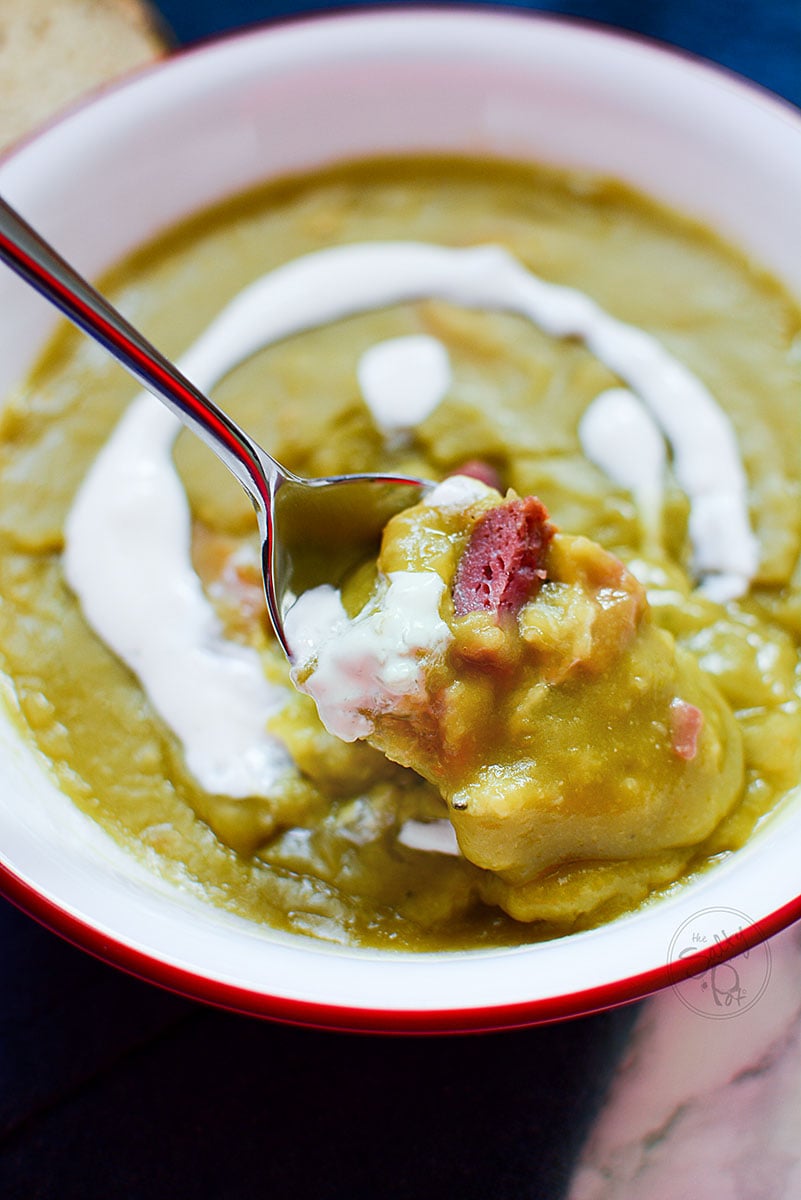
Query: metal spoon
[(312, 530)]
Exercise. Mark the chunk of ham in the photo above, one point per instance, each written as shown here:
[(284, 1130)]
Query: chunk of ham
[(504, 562), (686, 723)]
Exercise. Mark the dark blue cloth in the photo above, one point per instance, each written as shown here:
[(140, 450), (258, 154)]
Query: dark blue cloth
[(111, 1088), (760, 39)]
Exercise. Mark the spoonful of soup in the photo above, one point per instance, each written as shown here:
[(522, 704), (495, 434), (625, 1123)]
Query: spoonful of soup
[(312, 531)]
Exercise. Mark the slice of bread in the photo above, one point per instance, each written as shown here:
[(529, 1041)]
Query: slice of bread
[(53, 51)]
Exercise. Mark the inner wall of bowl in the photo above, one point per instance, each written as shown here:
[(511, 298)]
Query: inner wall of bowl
[(220, 119)]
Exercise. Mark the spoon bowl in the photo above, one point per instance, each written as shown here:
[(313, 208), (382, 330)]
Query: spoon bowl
[(312, 530)]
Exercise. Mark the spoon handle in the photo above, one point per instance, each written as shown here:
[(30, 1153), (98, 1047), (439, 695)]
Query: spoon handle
[(27, 253)]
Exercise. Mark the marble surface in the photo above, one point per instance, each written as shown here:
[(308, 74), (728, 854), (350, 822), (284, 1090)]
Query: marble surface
[(706, 1101)]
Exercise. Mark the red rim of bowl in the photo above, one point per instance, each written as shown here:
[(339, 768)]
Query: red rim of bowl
[(342, 1018), (348, 1019)]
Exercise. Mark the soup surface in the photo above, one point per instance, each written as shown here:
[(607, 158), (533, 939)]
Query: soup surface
[(340, 842)]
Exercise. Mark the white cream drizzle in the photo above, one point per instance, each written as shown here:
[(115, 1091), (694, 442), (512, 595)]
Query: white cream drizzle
[(403, 380), (619, 435), (127, 538), (371, 664), (127, 557), (456, 493)]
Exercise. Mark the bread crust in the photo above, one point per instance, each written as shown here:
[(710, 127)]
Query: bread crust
[(53, 51)]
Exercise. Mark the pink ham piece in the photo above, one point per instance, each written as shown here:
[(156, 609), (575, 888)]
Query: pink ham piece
[(686, 723), (504, 562)]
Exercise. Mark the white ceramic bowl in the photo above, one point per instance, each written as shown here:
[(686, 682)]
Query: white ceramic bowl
[(213, 121)]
